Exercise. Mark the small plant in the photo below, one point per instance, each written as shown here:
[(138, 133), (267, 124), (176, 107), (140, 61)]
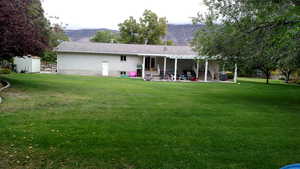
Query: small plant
[(23, 71), (5, 71)]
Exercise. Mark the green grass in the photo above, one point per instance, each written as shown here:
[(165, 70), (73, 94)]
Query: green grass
[(56, 121)]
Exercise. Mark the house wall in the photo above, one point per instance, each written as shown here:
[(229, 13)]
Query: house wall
[(91, 64)]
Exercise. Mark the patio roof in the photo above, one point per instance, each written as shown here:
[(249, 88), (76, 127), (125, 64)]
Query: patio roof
[(179, 52)]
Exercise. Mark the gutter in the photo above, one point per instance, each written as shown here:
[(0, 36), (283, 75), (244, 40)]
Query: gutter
[(171, 56)]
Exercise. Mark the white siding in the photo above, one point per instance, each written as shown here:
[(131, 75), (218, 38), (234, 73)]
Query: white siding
[(36, 65), (91, 64), (30, 65)]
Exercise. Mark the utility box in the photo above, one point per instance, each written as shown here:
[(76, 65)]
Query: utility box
[(27, 64)]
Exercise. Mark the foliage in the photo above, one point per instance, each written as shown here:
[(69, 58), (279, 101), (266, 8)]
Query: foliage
[(126, 123), (23, 28), (229, 75), (105, 36), (259, 34), (149, 29), (169, 43), (5, 71), (57, 36)]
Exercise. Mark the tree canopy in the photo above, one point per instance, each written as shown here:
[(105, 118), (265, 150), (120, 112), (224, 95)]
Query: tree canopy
[(149, 29), (105, 36), (260, 34), (23, 28), (57, 36)]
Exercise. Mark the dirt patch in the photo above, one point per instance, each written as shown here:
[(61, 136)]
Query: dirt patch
[(11, 92)]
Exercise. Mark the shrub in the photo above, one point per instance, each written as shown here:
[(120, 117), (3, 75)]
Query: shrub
[(5, 71), (229, 75), (23, 71), (282, 78), (297, 82)]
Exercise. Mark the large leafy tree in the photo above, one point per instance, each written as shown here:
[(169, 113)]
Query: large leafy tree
[(255, 33), (149, 29), (23, 28), (57, 36), (105, 36)]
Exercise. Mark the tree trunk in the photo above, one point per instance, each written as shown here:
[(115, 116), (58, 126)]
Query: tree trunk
[(268, 76), (287, 78), (287, 74)]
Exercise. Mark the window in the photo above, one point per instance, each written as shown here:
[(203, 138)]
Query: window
[(123, 73), (123, 58)]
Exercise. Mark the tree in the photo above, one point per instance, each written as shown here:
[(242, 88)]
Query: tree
[(105, 36), (57, 36), (249, 32), (129, 31), (150, 29), (23, 28), (289, 57), (169, 43)]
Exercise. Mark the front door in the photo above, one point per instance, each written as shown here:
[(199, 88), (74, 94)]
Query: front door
[(105, 68)]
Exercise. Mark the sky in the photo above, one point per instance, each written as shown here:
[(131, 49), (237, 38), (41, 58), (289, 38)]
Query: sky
[(79, 14)]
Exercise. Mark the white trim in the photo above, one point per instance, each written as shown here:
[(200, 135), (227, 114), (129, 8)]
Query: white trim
[(235, 73), (175, 71), (165, 66), (197, 73), (206, 70), (143, 71), (171, 56)]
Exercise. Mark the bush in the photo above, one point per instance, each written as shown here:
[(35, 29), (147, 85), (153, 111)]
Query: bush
[(229, 75), (297, 82), (5, 71), (282, 78)]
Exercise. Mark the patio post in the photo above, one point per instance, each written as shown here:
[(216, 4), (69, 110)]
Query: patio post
[(143, 71), (197, 73), (235, 73), (175, 71), (206, 70), (165, 66)]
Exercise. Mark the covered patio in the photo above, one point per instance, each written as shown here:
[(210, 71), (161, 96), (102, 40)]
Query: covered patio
[(180, 68)]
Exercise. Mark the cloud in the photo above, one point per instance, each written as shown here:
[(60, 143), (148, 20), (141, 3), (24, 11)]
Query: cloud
[(109, 13)]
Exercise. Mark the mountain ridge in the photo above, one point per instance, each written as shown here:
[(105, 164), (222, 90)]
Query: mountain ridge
[(180, 34)]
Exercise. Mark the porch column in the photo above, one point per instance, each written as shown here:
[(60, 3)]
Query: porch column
[(197, 73), (206, 70), (235, 73), (175, 71), (143, 71), (165, 66)]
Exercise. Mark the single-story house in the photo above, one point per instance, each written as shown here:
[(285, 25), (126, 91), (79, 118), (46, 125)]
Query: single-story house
[(111, 59)]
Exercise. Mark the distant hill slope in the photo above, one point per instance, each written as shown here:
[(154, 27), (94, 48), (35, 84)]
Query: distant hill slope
[(179, 34), (182, 34)]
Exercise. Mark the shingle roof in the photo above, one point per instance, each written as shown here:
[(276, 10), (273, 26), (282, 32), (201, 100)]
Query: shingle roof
[(128, 49)]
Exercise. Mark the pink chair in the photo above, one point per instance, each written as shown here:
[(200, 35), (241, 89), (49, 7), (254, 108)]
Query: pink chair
[(132, 74)]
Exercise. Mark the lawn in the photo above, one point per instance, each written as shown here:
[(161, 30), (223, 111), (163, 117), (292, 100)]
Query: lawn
[(57, 121)]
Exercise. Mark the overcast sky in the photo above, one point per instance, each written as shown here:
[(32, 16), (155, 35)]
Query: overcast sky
[(109, 13)]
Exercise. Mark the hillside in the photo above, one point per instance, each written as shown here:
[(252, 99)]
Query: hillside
[(179, 34)]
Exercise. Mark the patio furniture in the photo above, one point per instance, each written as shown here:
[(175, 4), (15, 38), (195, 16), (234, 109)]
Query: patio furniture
[(132, 74), (148, 77)]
